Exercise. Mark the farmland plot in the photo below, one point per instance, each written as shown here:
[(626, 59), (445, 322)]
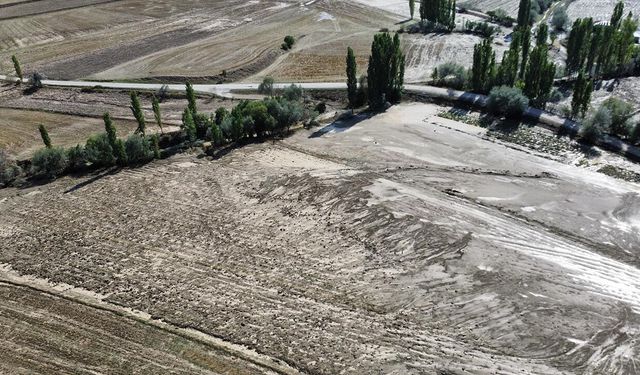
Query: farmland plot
[(599, 10), (403, 244)]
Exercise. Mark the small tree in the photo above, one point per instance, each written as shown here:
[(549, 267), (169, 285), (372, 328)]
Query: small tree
[(221, 114), (560, 19), (412, 7), (189, 125), (155, 145), (17, 67), (352, 81), (138, 149), (76, 158), (582, 89), (266, 87), (289, 41), (191, 98), (483, 70), (156, 112), (117, 146), (44, 134), (596, 125), (507, 101), (136, 109), (49, 162), (99, 151), (621, 113)]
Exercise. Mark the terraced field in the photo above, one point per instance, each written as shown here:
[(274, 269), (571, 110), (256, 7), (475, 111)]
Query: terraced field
[(509, 6), (403, 244), (599, 10)]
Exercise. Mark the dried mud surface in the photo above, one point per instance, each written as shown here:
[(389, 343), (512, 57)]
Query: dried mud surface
[(401, 244)]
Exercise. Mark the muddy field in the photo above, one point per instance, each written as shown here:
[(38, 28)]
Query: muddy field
[(404, 243)]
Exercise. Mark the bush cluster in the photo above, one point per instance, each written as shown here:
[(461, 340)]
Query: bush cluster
[(507, 101), (451, 75)]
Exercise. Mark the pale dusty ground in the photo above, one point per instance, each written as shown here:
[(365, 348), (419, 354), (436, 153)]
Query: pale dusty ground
[(599, 10), (403, 244)]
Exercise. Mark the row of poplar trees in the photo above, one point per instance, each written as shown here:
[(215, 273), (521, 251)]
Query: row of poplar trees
[(602, 50), (441, 12), (521, 65), (385, 75)]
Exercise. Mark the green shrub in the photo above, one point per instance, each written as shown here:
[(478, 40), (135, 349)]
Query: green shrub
[(451, 75), (635, 134), (621, 113), (560, 19), (266, 87), (9, 170), (221, 113), (49, 162), (289, 41), (293, 93), (99, 152), (321, 107), (596, 124), (138, 149), (76, 158), (202, 123), (507, 101)]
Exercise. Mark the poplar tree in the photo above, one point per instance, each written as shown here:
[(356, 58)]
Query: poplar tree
[(412, 7), (352, 81), (156, 112), (442, 12), (116, 145), (17, 67), (189, 125), (508, 69), (582, 89), (386, 71), (44, 134), (191, 98), (542, 35), (538, 79), (136, 109), (483, 69)]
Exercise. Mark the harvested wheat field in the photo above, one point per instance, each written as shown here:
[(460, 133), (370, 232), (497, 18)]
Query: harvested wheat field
[(400, 244)]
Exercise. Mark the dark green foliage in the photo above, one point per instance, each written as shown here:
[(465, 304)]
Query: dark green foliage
[(352, 83), (621, 113), (286, 113), (596, 125), (480, 28), (202, 122), (538, 80), (501, 17), (215, 134), (36, 80), (560, 19), (289, 41), (542, 35), (293, 93), (136, 109), (9, 170), (156, 112), (451, 75), (635, 134), (321, 107), (116, 145), (524, 14), (138, 149), (49, 162), (99, 151), (44, 134), (524, 33), (221, 113), (582, 89), (266, 87), (507, 73), (189, 125), (412, 7), (76, 158), (155, 146), (121, 153), (507, 101), (16, 66), (483, 70), (440, 12), (362, 96), (257, 118), (386, 71), (191, 98), (602, 50)]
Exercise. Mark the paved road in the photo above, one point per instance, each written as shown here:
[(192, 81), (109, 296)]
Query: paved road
[(226, 90)]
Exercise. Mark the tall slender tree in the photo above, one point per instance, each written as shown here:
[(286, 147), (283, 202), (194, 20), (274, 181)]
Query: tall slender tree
[(17, 67), (155, 103), (44, 134), (412, 7), (483, 69), (191, 98), (117, 145), (386, 71), (352, 80), (582, 89), (538, 79), (136, 109), (542, 35)]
